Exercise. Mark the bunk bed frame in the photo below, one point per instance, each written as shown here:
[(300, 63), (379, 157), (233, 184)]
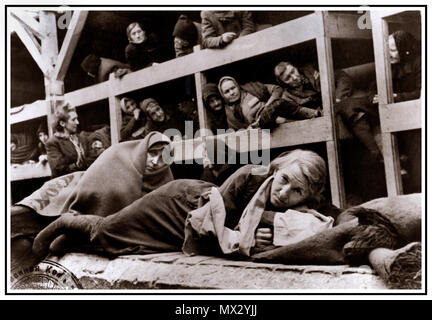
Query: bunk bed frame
[(321, 26)]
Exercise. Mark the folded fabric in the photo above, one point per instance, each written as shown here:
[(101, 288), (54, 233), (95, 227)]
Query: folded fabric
[(293, 226), (209, 221)]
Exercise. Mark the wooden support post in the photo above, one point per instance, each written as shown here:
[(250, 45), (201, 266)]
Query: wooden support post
[(385, 93), (115, 112), (325, 62), (49, 42), (69, 44)]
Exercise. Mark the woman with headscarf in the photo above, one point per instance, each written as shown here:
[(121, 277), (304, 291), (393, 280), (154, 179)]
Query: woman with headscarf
[(123, 173), (133, 120)]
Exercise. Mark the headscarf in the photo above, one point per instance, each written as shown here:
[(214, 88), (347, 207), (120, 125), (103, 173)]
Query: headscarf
[(118, 177), (220, 85), (210, 89), (145, 103)]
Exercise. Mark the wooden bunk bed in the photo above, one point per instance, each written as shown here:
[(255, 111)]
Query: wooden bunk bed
[(319, 26)]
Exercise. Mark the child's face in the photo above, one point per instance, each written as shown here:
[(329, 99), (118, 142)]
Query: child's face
[(130, 106), (137, 35), (230, 91), (155, 112), (215, 103), (286, 192), (291, 76), (43, 137)]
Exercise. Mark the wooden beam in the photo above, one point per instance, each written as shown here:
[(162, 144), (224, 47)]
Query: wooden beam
[(385, 95), (325, 63), (29, 23), (31, 47), (49, 43), (401, 116), (26, 112), (70, 42), (386, 13), (115, 112), (29, 171), (88, 95), (392, 164)]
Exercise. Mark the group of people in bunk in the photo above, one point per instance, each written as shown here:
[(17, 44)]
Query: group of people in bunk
[(124, 199)]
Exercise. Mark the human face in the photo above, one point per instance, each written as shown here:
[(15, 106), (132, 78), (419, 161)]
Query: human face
[(137, 35), (155, 112), (155, 159), (291, 76), (43, 137), (287, 192), (393, 51), (71, 125), (130, 106), (215, 103), (230, 91)]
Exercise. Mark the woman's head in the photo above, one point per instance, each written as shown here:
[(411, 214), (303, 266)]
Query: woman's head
[(66, 119), (299, 177), (153, 110), (402, 45), (157, 145), (229, 89), (211, 96), (288, 74), (135, 33), (128, 105)]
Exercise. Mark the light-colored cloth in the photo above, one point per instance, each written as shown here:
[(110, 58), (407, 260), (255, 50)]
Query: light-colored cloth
[(209, 220), (293, 226)]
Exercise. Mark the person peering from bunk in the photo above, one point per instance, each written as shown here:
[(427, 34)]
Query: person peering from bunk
[(220, 28), (42, 134), (66, 149), (216, 117), (187, 34), (158, 118), (143, 49), (254, 104), (171, 217), (100, 68), (133, 120), (123, 173), (302, 87)]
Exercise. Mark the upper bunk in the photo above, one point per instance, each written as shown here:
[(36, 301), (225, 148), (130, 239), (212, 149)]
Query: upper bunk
[(316, 25)]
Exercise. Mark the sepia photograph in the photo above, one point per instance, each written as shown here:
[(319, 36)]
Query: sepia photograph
[(217, 149)]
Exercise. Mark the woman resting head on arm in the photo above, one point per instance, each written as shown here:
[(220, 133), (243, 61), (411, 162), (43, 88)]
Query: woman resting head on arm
[(299, 179)]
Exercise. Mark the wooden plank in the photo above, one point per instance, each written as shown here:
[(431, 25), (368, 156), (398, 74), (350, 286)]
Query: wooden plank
[(401, 116), (325, 62), (32, 49), (69, 44), (288, 134), (385, 93), (382, 64), (392, 164), (257, 43), (29, 171), (49, 43), (29, 23), (115, 113), (28, 111), (345, 26), (88, 95)]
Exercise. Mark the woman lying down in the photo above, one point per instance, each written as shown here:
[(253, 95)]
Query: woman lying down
[(278, 216)]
